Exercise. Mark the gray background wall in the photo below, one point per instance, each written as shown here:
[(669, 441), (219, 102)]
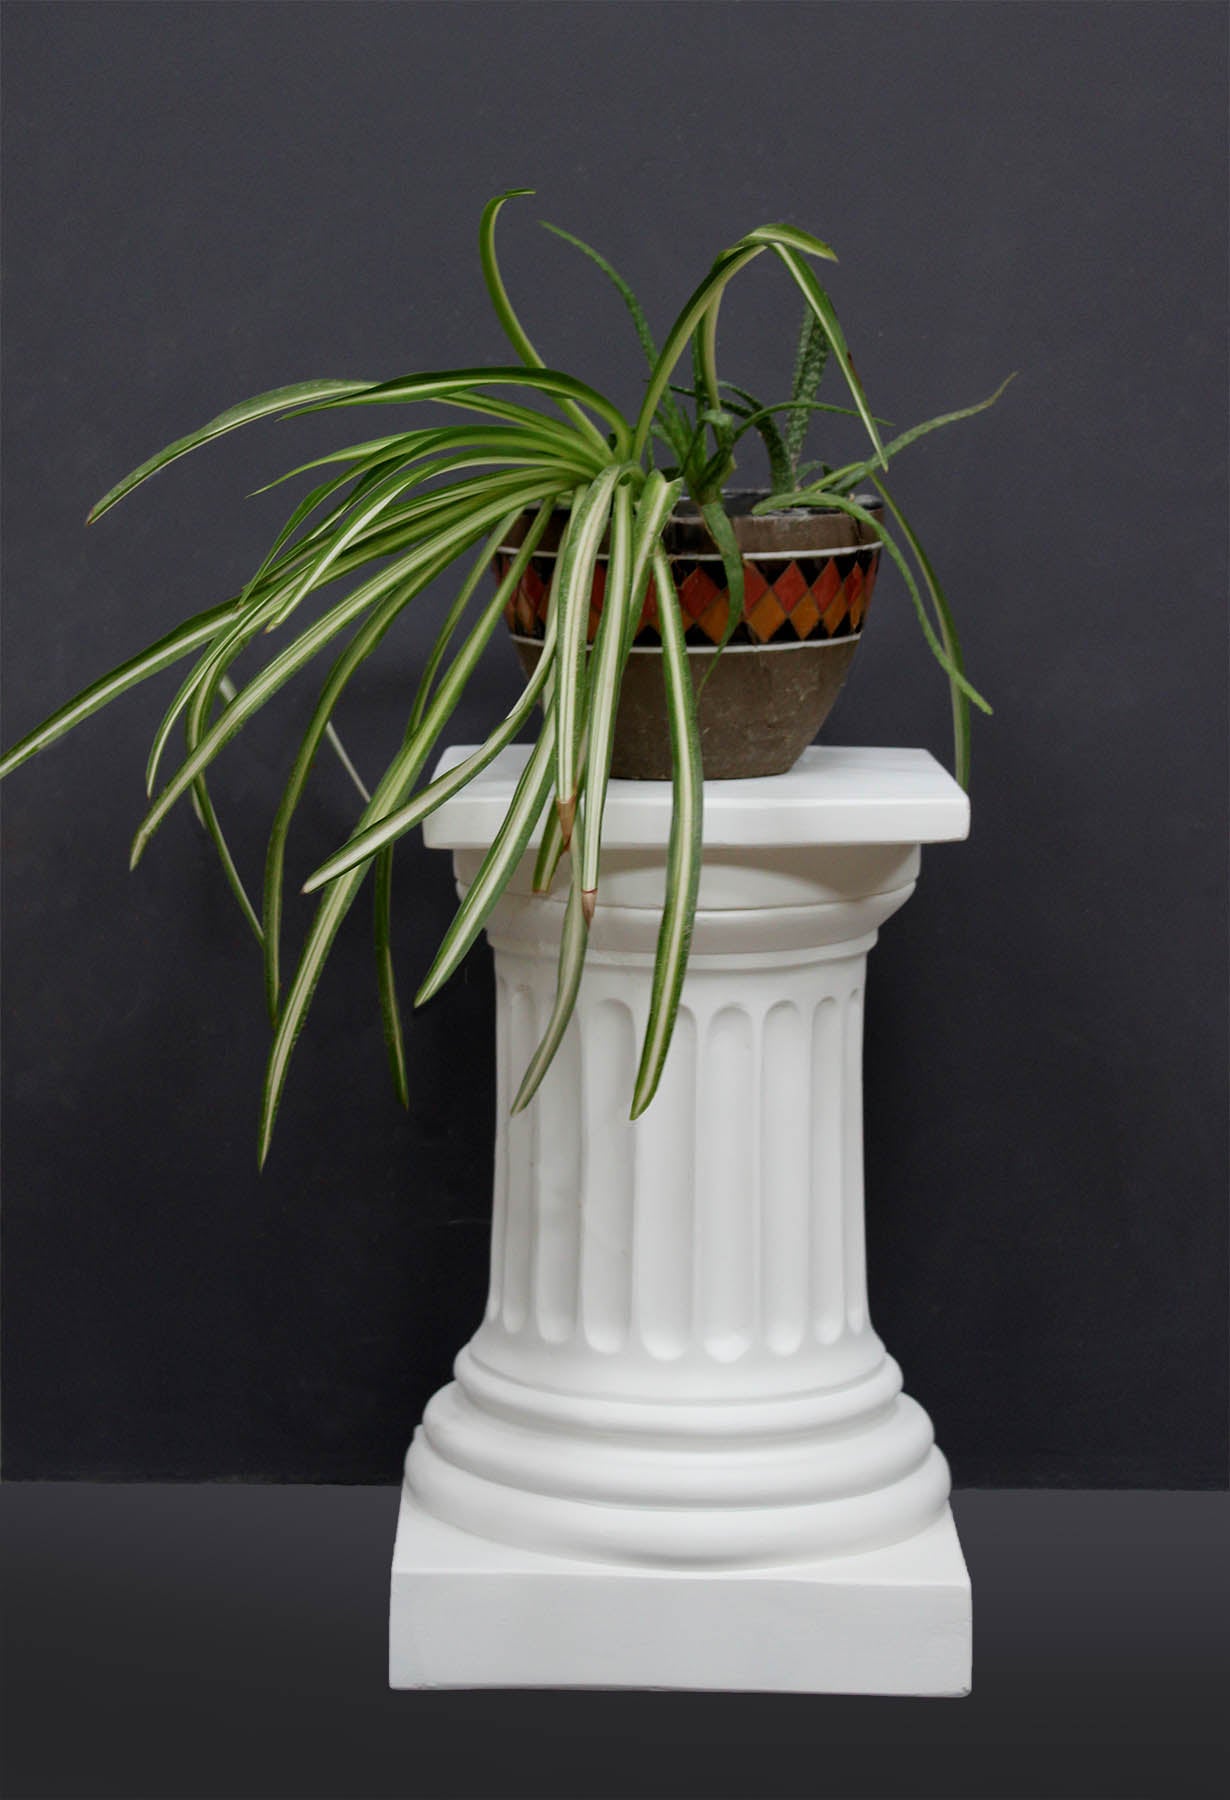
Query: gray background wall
[(202, 201)]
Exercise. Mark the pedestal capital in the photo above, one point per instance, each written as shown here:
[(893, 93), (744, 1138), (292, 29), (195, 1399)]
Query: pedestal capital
[(835, 794)]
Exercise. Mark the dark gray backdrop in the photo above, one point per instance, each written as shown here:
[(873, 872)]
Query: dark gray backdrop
[(202, 201)]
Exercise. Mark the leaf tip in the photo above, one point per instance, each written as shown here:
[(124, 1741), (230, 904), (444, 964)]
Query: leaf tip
[(567, 810), (589, 902)]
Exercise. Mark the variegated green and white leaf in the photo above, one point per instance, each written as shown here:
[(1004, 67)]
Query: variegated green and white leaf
[(508, 847), (948, 632), (609, 659), (277, 400), (505, 312), (590, 512), (573, 940), (202, 628), (432, 557), (447, 383), (395, 824), (683, 860)]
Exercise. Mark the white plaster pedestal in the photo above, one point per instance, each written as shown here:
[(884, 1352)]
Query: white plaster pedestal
[(675, 1453)]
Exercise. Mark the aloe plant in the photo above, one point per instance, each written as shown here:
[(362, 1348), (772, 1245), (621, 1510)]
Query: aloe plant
[(402, 510)]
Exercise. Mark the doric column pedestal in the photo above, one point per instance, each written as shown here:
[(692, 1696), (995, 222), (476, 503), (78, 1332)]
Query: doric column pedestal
[(675, 1452)]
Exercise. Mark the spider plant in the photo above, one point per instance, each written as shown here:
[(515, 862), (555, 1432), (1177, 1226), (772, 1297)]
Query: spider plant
[(402, 510)]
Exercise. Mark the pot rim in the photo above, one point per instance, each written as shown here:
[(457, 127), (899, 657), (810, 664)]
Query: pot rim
[(745, 499), (816, 643), (819, 531)]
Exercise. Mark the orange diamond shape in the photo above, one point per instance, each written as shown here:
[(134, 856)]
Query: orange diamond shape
[(854, 595), (835, 611), (765, 617), (790, 586), (713, 621), (806, 616)]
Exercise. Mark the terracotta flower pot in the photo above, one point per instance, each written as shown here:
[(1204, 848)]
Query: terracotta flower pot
[(807, 578)]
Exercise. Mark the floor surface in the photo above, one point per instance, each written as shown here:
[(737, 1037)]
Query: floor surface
[(229, 1641)]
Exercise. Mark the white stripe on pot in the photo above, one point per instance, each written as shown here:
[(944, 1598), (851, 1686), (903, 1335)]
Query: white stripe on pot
[(752, 556), (819, 643)]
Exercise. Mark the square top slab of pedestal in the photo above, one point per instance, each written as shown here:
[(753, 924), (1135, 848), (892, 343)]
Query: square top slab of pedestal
[(833, 795)]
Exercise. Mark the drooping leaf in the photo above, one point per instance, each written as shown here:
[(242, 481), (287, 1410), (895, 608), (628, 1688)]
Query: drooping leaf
[(364, 844), (690, 314), (448, 383), (948, 633), (198, 717), (550, 853), (590, 512), (386, 981), (513, 329), (277, 400), (307, 645), (844, 504), (457, 611), (609, 658), (792, 237), (202, 628), (699, 310), (574, 937), (507, 848), (390, 1009), (361, 646), (683, 857), (351, 453), (723, 534), (339, 895)]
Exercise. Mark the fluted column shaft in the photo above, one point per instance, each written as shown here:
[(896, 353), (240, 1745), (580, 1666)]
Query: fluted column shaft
[(720, 1238)]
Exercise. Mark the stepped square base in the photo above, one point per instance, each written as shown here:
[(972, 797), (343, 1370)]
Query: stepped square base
[(467, 1612)]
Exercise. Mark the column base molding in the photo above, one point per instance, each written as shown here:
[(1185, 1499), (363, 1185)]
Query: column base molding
[(467, 1612)]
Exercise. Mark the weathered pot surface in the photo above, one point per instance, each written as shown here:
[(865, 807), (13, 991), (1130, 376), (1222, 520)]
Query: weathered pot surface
[(808, 578)]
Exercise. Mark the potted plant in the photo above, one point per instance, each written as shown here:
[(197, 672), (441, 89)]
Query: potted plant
[(668, 625)]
